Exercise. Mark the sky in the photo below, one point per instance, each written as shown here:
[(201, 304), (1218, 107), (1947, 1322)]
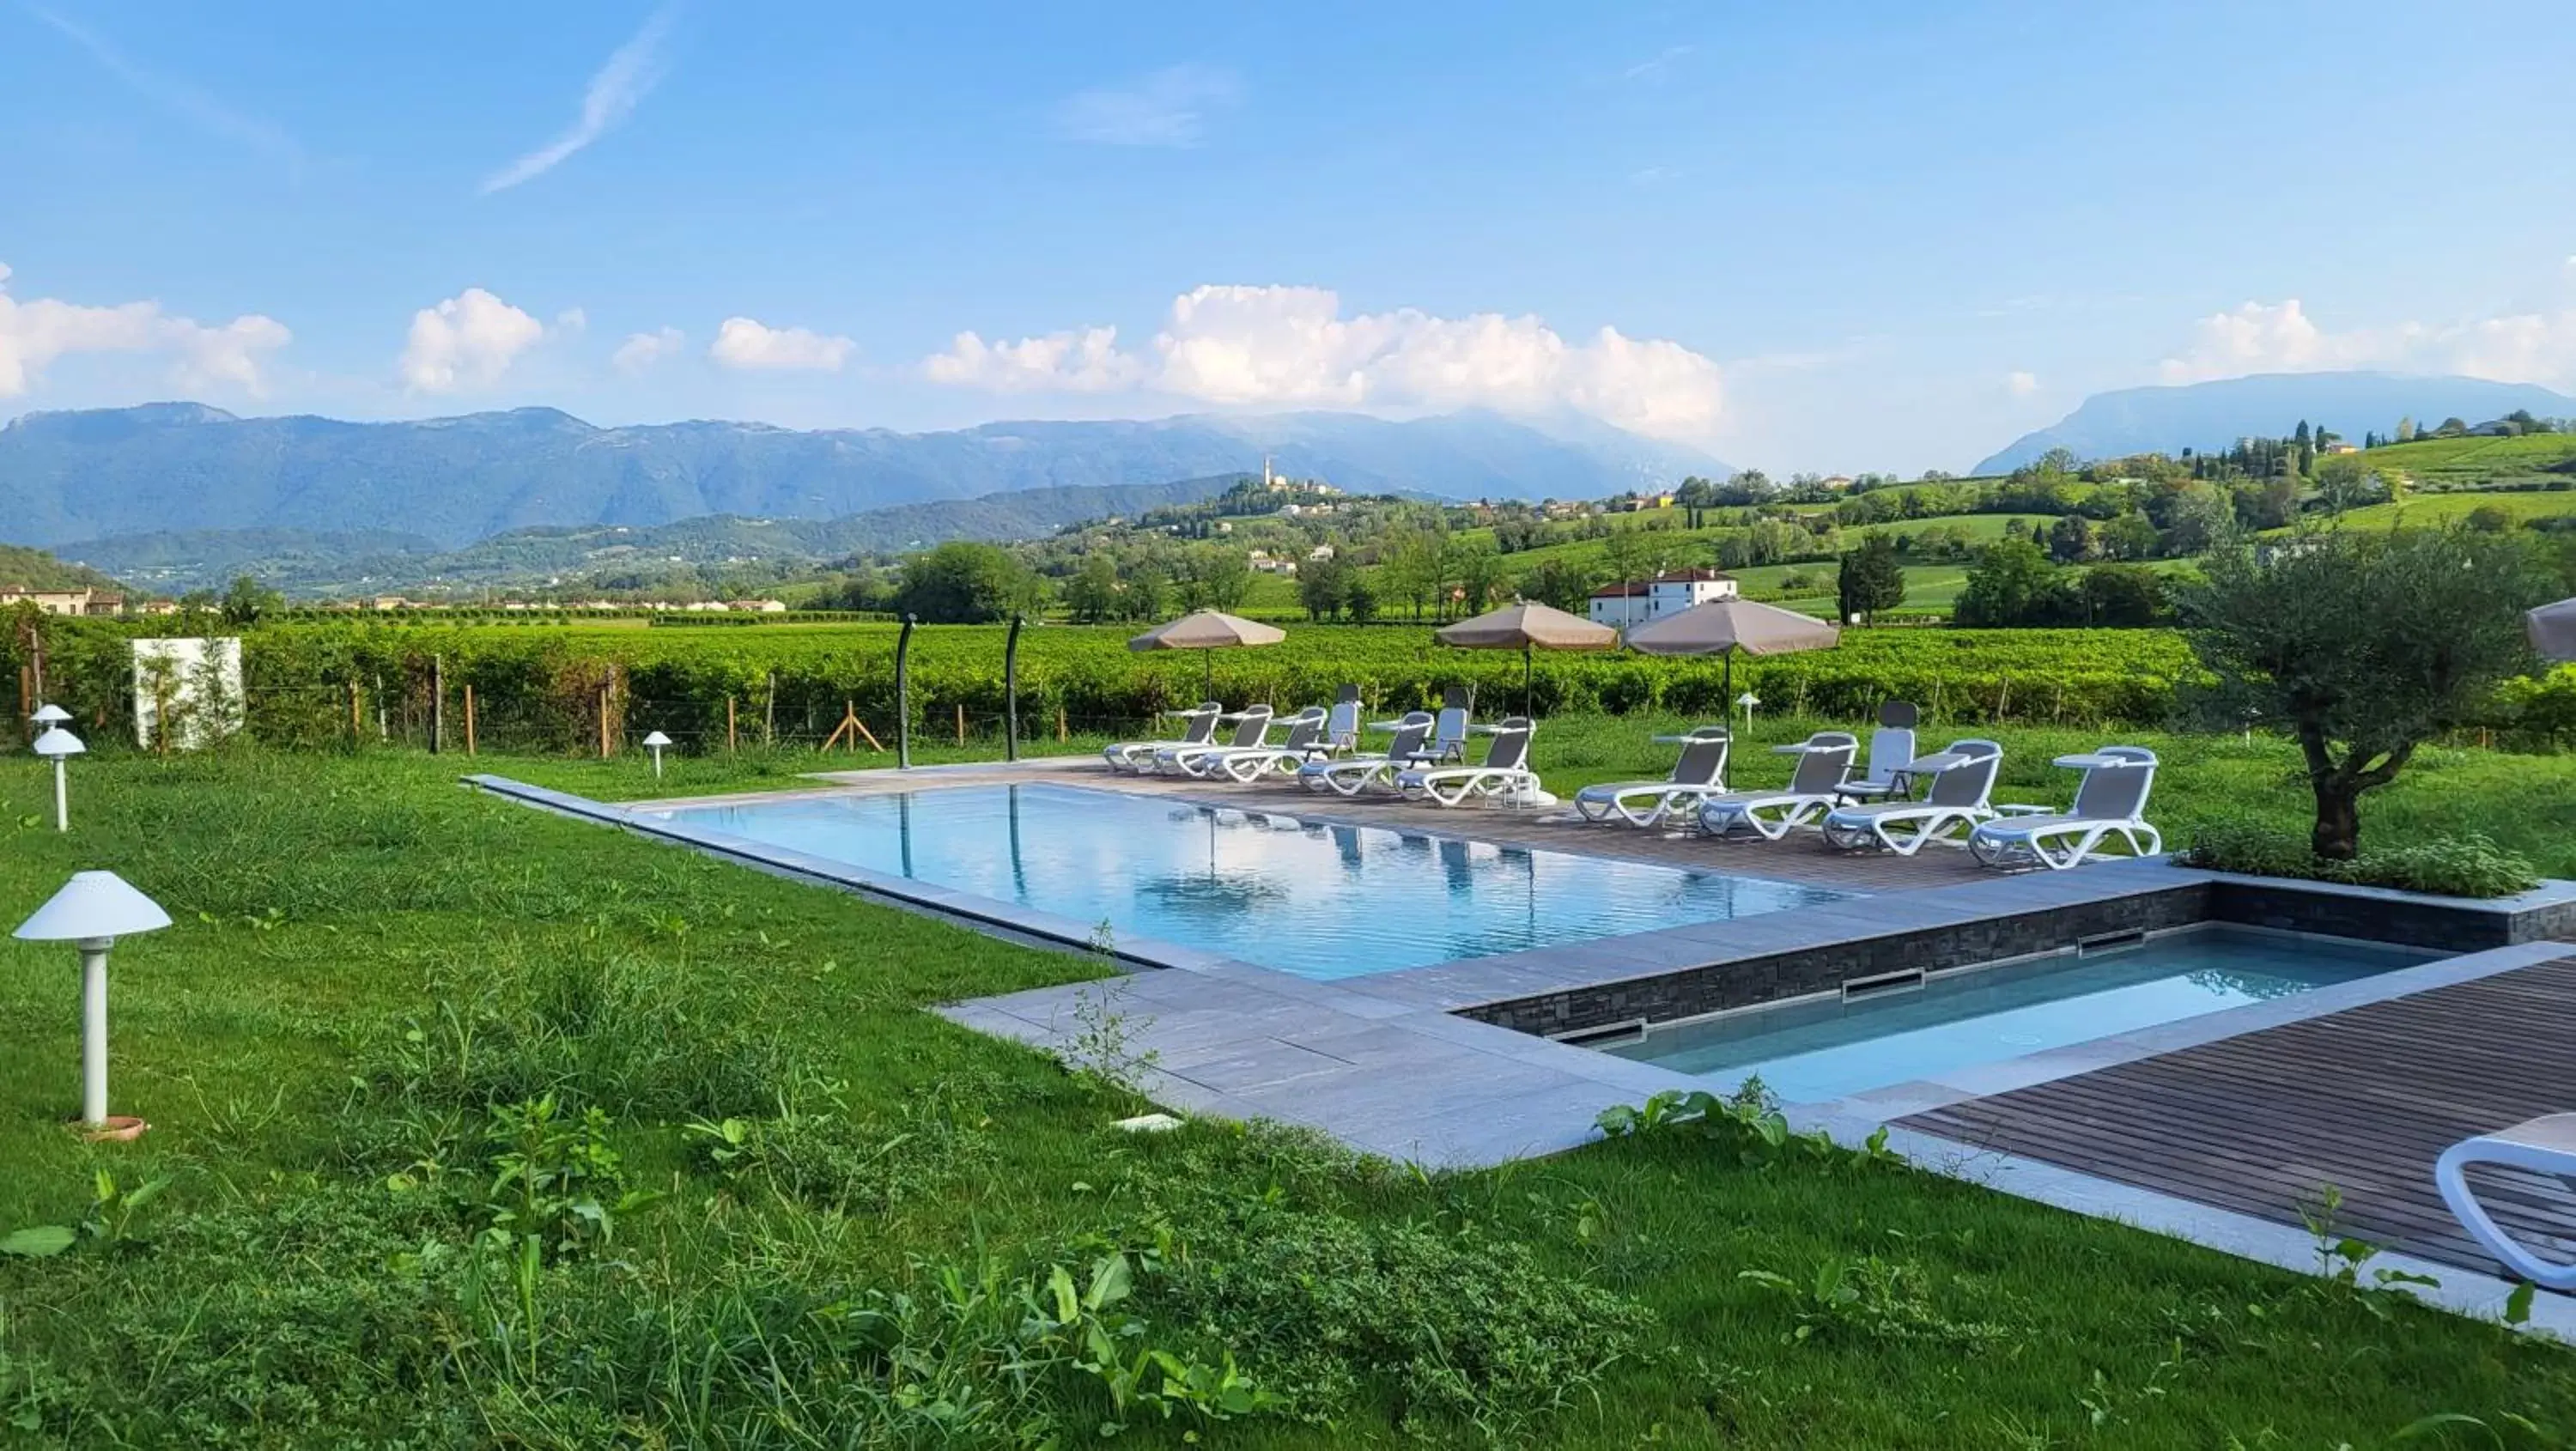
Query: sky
[(1828, 238)]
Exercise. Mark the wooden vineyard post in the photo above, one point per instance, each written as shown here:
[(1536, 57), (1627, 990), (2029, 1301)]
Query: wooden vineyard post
[(729, 736), (1060, 733), (469, 717), (603, 720), (26, 691), (961, 722), (854, 729), (356, 728), (437, 701), (769, 717)]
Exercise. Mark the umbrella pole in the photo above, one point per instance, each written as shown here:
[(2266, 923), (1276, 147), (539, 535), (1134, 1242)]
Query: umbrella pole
[(1207, 683), (1525, 678), (1726, 691)]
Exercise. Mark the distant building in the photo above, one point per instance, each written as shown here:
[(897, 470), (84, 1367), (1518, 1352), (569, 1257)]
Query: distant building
[(1640, 503), (66, 601), (2339, 446), (1262, 563), (156, 607), (1836, 483), (1638, 601), (757, 607), (1319, 554)]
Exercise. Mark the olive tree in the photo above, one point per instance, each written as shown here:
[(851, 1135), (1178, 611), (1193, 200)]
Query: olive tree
[(2361, 646)]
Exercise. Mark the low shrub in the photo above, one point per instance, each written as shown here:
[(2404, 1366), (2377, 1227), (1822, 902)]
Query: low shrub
[(2466, 866)]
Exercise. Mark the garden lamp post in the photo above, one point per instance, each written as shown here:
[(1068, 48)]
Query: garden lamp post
[(655, 742), (1747, 701), (49, 716), (92, 910), (59, 745)]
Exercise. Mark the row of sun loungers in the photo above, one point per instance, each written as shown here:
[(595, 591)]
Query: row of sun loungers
[(1853, 807)]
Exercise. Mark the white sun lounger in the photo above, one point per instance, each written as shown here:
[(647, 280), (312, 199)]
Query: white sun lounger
[(2111, 801), (1308, 732), (1251, 732), (1505, 772), (1350, 775), (2545, 1145), (1823, 760), (1198, 727), (1699, 773), (1962, 778), (1891, 751), (1449, 732)]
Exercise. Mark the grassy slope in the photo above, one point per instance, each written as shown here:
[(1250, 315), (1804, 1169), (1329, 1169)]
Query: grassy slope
[(322, 901), (2424, 511), (24, 568), (2477, 462)]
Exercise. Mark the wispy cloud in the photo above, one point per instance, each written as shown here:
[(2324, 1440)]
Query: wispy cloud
[(630, 74), (176, 96), (1655, 70), (1168, 108)]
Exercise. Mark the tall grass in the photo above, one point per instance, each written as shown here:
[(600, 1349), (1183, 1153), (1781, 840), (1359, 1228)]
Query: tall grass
[(483, 1127)]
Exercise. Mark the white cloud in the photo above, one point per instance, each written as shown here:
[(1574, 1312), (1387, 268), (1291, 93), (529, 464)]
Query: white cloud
[(468, 341), (744, 342), (2021, 384), (642, 350), (1168, 108), (1291, 346), (630, 74), (1068, 362), (2258, 337), (35, 333)]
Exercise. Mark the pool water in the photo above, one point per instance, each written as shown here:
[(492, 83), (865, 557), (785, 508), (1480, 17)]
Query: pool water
[(1315, 900), (1811, 1051)]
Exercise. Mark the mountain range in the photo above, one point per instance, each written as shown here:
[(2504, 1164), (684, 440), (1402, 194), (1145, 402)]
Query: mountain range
[(2209, 416), (81, 476), (307, 562)]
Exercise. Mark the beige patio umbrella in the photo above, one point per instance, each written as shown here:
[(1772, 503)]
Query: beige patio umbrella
[(1527, 626), (1722, 627), (2553, 630), (1205, 630)]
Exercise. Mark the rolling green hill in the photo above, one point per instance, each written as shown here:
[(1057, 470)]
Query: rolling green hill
[(22, 568), (2483, 463)]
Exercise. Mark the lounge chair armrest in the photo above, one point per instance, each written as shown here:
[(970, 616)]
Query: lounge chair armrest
[(2011, 808)]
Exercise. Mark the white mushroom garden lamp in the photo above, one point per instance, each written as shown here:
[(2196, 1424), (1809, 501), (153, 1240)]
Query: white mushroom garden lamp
[(49, 716), (59, 745), (1746, 702), (93, 910), (655, 742)]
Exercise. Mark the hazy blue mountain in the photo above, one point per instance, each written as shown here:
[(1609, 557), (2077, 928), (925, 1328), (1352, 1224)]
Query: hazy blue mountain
[(184, 466), (2214, 415), (307, 562)]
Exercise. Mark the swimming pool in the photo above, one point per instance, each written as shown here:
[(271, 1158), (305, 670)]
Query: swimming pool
[(1817, 1049), (1321, 901)]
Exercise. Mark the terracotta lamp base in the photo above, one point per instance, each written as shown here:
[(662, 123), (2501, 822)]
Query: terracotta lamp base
[(114, 1129)]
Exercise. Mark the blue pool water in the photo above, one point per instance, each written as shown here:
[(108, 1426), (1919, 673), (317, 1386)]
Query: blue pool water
[(1315, 900), (1808, 1052)]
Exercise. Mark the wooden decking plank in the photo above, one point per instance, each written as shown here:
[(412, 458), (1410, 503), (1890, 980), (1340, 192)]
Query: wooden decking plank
[(2363, 1099)]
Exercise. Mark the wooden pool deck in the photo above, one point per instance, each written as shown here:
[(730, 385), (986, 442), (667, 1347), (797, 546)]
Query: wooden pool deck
[(2364, 1100)]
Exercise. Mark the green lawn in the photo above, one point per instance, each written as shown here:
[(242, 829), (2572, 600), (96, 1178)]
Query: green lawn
[(368, 959)]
